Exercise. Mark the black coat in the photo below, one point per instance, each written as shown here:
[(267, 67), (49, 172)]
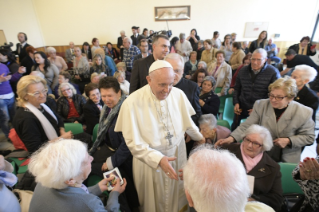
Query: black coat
[(89, 54), (254, 45), (212, 103), (134, 40), (63, 108), (191, 91), (199, 53), (119, 42), (27, 62), (23, 52), (309, 98), (140, 72), (267, 186), (91, 115), (296, 48)]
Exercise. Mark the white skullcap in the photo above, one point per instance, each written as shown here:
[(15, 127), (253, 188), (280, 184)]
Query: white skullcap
[(159, 64)]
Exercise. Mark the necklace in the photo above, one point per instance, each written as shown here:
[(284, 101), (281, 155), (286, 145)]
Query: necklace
[(168, 136)]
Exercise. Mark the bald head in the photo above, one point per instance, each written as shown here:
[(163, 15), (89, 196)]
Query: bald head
[(161, 82), (71, 44)]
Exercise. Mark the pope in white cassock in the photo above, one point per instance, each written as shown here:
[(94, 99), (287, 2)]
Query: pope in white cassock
[(153, 121)]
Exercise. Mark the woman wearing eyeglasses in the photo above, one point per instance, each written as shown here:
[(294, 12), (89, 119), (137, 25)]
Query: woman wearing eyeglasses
[(290, 123), (259, 165), (34, 122)]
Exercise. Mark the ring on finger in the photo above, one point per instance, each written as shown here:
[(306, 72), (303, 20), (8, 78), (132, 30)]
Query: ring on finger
[(308, 170), (167, 173)]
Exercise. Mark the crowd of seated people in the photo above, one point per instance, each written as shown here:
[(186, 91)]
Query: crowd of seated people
[(92, 90)]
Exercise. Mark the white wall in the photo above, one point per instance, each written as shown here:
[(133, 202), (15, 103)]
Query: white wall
[(19, 16), (61, 21)]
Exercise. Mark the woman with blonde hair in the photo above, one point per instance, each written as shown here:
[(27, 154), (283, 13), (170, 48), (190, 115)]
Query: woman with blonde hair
[(99, 66), (58, 61), (109, 62), (261, 42), (290, 123)]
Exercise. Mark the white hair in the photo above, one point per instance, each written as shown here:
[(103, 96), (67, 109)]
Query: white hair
[(174, 56), (128, 39), (308, 72), (51, 49), (261, 51), (66, 84), (216, 180), (245, 42), (264, 134), (209, 120), (122, 32), (37, 73), (57, 162), (204, 64)]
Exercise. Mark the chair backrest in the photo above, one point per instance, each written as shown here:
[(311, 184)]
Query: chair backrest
[(75, 128), (96, 127), (223, 123), (228, 114), (287, 182)]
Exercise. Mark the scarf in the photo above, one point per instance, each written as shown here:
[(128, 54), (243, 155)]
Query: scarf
[(105, 122), (250, 163), (46, 125), (304, 52)]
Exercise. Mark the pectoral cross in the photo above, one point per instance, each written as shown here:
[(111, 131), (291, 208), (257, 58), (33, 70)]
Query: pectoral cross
[(169, 138)]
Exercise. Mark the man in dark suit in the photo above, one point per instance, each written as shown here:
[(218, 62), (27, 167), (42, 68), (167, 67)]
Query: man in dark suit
[(134, 36), (69, 53), (120, 43), (141, 66), (304, 74), (143, 45), (21, 47)]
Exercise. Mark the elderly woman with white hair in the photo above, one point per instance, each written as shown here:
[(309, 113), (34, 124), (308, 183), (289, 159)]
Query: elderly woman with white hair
[(58, 61), (70, 104), (60, 168), (208, 100), (202, 65), (266, 172), (289, 122), (303, 74), (210, 130), (124, 84)]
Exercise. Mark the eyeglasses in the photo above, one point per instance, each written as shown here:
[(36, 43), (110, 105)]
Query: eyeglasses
[(278, 98), (65, 90), (255, 59), (254, 143), (37, 94)]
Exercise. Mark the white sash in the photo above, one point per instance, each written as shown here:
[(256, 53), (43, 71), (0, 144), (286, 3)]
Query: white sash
[(47, 127)]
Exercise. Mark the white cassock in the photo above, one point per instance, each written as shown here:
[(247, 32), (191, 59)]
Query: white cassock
[(141, 122), (185, 47)]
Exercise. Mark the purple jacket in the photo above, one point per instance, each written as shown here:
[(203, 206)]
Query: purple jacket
[(5, 87)]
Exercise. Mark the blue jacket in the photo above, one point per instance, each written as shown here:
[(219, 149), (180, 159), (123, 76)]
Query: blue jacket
[(110, 63), (247, 91)]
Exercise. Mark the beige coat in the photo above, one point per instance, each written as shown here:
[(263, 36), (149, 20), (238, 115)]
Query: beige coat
[(236, 59), (209, 57), (224, 76)]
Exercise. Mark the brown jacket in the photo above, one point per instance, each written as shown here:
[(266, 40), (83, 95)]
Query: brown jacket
[(209, 57), (267, 187), (236, 59)]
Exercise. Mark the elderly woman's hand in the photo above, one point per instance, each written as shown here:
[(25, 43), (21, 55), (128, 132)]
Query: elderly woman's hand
[(201, 103), (281, 142), (4, 78), (309, 169), (231, 91), (224, 141), (180, 174), (118, 187), (67, 135)]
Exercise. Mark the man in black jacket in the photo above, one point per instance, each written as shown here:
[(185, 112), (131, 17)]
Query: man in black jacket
[(120, 42), (21, 47), (252, 84), (141, 66), (134, 36)]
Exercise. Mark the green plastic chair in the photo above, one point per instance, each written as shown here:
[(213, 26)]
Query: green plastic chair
[(229, 114), (14, 167), (222, 100), (75, 128), (19, 169), (288, 184), (96, 127), (223, 123)]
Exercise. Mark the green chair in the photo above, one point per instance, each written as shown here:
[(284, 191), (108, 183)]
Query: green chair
[(229, 114), (223, 123), (222, 100), (75, 128), (14, 167), (287, 182), (18, 168), (95, 132)]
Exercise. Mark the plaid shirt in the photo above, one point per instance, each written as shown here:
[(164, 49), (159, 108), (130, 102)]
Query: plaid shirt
[(129, 54)]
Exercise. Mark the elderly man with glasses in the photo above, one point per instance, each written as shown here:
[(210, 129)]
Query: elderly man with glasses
[(252, 84)]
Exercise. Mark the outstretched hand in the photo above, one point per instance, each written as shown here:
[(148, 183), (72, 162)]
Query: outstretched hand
[(167, 167)]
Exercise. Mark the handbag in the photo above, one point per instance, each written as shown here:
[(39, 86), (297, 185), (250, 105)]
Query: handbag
[(17, 142), (24, 197)]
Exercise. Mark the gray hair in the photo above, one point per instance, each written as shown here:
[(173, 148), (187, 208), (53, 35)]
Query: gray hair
[(122, 32), (246, 42), (182, 36), (264, 134), (37, 73), (216, 180), (66, 84), (51, 49), (128, 39), (211, 79), (261, 51), (57, 162), (174, 56), (209, 120), (203, 63), (117, 74), (308, 72)]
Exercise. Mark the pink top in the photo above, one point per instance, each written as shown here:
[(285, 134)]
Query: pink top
[(173, 50), (250, 163)]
